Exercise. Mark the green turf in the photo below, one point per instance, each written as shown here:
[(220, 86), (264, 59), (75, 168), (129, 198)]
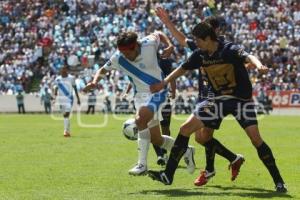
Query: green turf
[(36, 162)]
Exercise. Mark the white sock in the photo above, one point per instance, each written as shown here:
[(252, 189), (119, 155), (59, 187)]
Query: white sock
[(168, 142), (67, 125), (144, 138)]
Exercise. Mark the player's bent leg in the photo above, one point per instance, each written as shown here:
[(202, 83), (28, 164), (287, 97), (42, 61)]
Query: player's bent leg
[(161, 153), (266, 156), (143, 117), (190, 126), (67, 124), (156, 137), (190, 152), (157, 140), (180, 146), (254, 135), (203, 135)]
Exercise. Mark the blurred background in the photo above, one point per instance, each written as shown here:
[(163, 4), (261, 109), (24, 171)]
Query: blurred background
[(37, 37)]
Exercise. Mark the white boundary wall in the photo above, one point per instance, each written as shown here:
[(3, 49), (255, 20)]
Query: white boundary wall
[(8, 104)]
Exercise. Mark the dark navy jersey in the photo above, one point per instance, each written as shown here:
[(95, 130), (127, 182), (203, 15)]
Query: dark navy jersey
[(203, 89), (225, 69)]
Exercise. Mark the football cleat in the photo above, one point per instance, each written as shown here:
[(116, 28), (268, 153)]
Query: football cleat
[(138, 170), (204, 177), (162, 160), (189, 159), (67, 134), (160, 176), (236, 165), (280, 187)]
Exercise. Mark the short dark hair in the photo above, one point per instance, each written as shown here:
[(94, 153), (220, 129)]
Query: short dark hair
[(218, 23), (204, 29), (126, 38), (213, 21)]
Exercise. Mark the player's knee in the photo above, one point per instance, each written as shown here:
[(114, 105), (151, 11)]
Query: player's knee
[(256, 141), (254, 135), (203, 135), (140, 122), (185, 130), (157, 140), (199, 139)]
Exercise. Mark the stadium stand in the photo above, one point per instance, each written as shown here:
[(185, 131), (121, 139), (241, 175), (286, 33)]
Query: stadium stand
[(36, 38)]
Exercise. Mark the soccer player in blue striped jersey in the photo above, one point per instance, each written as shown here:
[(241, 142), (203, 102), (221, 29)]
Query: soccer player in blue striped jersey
[(138, 60), (64, 86)]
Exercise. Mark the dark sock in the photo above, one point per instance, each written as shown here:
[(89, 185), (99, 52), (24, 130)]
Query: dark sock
[(159, 151), (177, 151), (223, 151), (266, 156), (210, 155)]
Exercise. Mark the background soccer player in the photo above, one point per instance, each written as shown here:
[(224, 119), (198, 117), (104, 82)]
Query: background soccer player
[(138, 60), (204, 136), (224, 64), (64, 86)]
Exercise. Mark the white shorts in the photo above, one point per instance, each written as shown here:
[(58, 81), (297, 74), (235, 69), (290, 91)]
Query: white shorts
[(64, 108), (65, 104), (154, 102)]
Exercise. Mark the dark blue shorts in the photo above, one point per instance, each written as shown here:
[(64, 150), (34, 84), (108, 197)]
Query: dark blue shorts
[(212, 112)]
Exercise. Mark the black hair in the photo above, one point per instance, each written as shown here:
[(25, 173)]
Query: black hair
[(204, 29), (126, 38), (218, 23)]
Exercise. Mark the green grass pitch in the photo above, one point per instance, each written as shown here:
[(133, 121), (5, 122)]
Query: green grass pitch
[(37, 162)]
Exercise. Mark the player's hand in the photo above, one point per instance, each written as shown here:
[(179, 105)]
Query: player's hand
[(89, 87), (157, 87), (167, 51), (162, 15), (263, 69)]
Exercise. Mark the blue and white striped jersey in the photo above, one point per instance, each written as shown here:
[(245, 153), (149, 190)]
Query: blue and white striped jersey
[(65, 88), (144, 71)]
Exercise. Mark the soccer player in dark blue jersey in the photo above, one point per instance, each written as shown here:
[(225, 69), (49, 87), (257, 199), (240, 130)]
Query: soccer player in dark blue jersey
[(224, 64), (204, 136)]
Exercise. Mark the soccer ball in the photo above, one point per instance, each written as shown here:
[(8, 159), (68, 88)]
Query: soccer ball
[(130, 130)]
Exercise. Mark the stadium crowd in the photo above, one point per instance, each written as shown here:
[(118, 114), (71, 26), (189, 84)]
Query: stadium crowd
[(37, 37)]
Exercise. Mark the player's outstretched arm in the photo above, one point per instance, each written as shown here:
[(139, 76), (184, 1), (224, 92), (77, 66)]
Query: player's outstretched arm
[(164, 17), (76, 93), (170, 48), (253, 60), (171, 77), (99, 74), (55, 91), (127, 91), (173, 89)]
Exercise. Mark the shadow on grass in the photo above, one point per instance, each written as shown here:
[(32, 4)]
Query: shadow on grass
[(223, 191)]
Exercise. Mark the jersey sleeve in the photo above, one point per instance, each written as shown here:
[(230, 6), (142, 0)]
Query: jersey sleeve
[(191, 44), (194, 61), (112, 63), (153, 39), (236, 52)]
